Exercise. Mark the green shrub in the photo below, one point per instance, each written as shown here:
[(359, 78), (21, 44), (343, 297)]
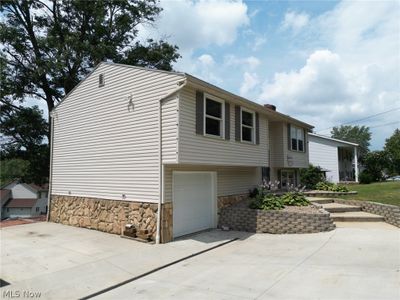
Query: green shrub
[(274, 202), (254, 192), (267, 202), (295, 199), (329, 186), (311, 176), (365, 177)]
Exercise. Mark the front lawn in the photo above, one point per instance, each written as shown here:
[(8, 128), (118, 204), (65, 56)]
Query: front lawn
[(382, 192)]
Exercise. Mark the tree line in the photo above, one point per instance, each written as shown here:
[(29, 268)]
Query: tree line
[(47, 48)]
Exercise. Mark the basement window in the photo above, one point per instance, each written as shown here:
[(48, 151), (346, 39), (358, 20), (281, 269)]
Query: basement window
[(101, 80)]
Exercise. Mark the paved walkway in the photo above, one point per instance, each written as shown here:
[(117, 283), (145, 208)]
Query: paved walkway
[(64, 262)]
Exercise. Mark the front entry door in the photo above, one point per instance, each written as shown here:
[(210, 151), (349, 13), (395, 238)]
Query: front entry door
[(288, 179)]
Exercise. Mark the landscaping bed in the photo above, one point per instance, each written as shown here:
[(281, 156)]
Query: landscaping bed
[(306, 218)]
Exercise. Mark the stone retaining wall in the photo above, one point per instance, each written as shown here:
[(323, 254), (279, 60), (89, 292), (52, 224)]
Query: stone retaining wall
[(104, 215), (241, 218), (391, 213), (225, 201)]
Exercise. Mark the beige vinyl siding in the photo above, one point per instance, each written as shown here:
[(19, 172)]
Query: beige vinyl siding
[(170, 130), (277, 144), (103, 150), (198, 149), (230, 180)]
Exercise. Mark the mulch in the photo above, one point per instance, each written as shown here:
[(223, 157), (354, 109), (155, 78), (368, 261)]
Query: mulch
[(21, 221)]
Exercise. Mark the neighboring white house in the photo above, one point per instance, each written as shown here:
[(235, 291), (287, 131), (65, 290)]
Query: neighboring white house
[(336, 157), (21, 200), (163, 151)]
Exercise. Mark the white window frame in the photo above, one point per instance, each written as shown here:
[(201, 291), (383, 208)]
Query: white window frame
[(221, 120), (253, 128), (296, 128)]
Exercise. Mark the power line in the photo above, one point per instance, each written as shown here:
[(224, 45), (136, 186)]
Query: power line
[(387, 124), (363, 119)]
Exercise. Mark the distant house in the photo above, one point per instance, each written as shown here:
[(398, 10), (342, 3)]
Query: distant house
[(163, 151), (337, 158), (21, 200)]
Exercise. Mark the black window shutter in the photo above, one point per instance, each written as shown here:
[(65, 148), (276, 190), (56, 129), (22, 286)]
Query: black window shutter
[(199, 112), (288, 137), (227, 121), (237, 123), (257, 129), (305, 140)]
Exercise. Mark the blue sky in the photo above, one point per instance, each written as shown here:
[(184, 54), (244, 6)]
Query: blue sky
[(324, 62)]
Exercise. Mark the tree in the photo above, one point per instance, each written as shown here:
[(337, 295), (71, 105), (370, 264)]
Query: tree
[(49, 46), (12, 169), (311, 176), (375, 162), (24, 135), (354, 134), (392, 150)]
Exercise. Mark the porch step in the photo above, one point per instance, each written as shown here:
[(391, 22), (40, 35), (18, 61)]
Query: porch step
[(340, 208), (320, 200), (356, 216)]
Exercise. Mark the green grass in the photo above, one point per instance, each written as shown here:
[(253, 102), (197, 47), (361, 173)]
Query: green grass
[(382, 192)]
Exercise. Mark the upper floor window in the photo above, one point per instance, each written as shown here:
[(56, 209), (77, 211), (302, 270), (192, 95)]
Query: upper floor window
[(214, 117), (296, 138), (101, 80), (247, 121)]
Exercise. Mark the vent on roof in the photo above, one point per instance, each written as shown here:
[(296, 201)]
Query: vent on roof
[(101, 80)]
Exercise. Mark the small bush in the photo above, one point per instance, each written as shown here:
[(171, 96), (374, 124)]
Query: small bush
[(267, 202), (365, 178), (295, 199), (328, 186), (274, 202), (311, 176), (254, 193)]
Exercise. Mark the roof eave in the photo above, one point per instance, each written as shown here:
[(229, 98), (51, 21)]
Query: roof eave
[(193, 81)]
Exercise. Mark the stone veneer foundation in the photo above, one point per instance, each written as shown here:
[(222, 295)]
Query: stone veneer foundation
[(110, 215), (225, 201)]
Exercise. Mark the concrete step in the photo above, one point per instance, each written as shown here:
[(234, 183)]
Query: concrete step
[(356, 216), (338, 207), (320, 200)]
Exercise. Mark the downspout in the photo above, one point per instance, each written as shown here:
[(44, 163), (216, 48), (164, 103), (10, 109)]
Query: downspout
[(51, 165), (161, 166)]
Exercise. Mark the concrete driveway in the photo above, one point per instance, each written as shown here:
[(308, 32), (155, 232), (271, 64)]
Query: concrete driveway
[(357, 262)]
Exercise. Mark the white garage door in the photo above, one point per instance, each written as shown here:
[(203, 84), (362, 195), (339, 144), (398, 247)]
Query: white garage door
[(194, 202)]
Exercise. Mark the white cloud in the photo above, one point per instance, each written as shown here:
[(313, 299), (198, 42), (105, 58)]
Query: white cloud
[(206, 60), (295, 21), (250, 62), (356, 76), (193, 24), (258, 42), (250, 81), (205, 68)]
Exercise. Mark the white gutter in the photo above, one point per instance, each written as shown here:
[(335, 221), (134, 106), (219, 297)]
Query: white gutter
[(51, 165), (161, 166)]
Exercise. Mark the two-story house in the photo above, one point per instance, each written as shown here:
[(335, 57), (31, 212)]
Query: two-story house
[(163, 151), (22, 200)]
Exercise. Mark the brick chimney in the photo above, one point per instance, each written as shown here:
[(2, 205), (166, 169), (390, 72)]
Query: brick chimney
[(270, 106)]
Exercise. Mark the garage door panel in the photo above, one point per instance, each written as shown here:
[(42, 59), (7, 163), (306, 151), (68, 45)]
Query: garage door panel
[(193, 202)]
